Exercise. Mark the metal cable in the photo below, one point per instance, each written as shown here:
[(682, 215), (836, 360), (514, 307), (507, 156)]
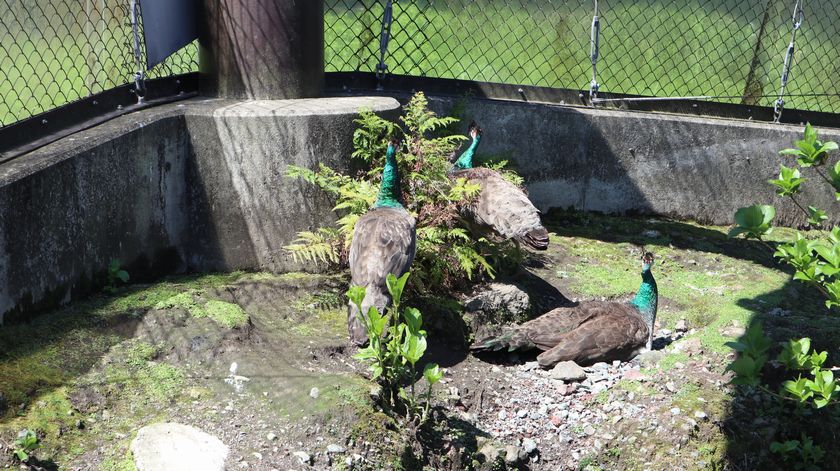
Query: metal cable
[(594, 40), (384, 38), (797, 19), (140, 74)]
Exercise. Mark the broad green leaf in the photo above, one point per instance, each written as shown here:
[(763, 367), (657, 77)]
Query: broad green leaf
[(816, 216), (123, 276), (754, 221), (789, 181), (414, 321), (356, 294), (396, 286), (432, 373)]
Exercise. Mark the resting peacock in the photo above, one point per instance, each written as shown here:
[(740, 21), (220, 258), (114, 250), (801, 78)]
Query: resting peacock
[(501, 207), (588, 332), (384, 241)]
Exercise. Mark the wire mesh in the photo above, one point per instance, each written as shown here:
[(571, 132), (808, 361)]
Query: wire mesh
[(53, 52), (730, 49), (56, 51)]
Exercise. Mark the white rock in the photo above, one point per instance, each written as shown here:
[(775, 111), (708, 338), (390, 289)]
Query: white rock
[(271, 436), (333, 448), (568, 371), (314, 393), (171, 446)]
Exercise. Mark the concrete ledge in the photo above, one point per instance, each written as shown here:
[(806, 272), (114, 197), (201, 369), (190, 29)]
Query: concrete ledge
[(200, 185)]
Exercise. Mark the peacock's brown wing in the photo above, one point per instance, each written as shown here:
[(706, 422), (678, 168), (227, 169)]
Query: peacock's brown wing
[(545, 331), (613, 331), (384, 241), (504, 208)]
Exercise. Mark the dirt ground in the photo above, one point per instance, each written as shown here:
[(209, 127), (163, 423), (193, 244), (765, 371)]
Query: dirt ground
[(261, 361)]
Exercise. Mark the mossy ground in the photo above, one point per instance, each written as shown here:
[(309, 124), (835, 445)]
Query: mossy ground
[(99, 362)]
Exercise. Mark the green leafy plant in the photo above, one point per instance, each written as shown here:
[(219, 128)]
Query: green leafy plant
[(115, 275), (801, 454), (817, 389), (817, 262), (446, 252), (396, 342), (25, 444)]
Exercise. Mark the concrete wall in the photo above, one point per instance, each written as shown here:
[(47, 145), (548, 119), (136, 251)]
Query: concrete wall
[(200, 186), (67, 210), (620, 161), (192, 187)]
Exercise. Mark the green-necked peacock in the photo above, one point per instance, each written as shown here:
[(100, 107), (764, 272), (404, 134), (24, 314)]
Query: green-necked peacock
[(590, 331), (384, 241), (501, 207)]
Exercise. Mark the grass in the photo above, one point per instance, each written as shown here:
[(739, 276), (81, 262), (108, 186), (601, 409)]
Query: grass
[(652, 48)]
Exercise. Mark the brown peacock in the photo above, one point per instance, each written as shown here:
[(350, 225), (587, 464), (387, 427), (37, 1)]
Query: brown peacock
[(590, 331), (384, 241), (501, 207)]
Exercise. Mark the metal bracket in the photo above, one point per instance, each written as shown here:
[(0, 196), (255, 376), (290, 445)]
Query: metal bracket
[(384, 38), (594, 43)]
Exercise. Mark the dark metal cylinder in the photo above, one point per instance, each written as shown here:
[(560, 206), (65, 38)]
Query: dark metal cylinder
[(262, 49)]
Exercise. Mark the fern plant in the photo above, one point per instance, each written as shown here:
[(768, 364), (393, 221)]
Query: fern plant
[(446, 253)]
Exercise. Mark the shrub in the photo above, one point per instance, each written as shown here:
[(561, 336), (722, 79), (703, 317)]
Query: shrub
[(446, 252)]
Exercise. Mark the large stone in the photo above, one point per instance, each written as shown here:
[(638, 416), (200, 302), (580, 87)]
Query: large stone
[(176, 447), (507, 301), (568, 371)]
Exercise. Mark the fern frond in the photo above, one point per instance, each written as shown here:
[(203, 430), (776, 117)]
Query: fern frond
[(318, 246)]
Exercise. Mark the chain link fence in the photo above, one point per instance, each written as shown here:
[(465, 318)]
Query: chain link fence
[(730, 50), (53, 52)]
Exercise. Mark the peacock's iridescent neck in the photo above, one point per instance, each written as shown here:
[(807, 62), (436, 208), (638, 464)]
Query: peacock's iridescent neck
[(389, 191), (646, 298), (465, 161)]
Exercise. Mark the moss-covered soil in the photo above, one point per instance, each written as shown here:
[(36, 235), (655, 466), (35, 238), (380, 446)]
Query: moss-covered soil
[(88, 376)]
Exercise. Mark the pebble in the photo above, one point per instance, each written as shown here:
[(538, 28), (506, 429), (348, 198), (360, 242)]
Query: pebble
[(271, 436), (333, 448), (303, 457), (314, 393), (701, 415), (675, 411)]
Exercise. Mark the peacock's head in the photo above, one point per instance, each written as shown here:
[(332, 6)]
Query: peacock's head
[(473, 130), (647, 261)]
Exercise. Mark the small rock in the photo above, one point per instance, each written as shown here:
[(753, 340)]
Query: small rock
[(675, 411), (499, 298), (257, 455), (490, 452), (512, 454), (692, 346), (701, 415), (521, 413), (271, 436), (314, 393), (530, 365), (502, 415), (600, 366), (303, 457), (634, 375), (650, 358), (733, 331), (670, 386), (529, 445), (333, 448), (681, 326), (589, 431), (568, 371)]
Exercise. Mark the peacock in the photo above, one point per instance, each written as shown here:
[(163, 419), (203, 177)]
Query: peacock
[(384, 241), (590, 331), (501, 207)]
